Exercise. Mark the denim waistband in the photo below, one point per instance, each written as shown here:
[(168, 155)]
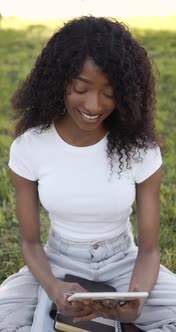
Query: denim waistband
[(87, 250)]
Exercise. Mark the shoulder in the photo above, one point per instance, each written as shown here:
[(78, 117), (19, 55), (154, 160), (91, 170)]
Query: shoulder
[(26, 152), (145, 162), (31, 139)]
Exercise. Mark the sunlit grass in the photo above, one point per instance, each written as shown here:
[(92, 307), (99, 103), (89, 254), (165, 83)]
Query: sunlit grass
[(167, 23), (153, 23)]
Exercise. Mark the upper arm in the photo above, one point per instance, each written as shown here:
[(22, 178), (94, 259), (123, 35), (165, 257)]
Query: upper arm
[(148, 211), (27, 208)]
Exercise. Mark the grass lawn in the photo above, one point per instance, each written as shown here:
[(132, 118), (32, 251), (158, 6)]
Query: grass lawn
[(21, 41)]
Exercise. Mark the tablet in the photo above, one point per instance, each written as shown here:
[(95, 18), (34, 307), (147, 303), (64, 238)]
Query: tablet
[(100, 296)]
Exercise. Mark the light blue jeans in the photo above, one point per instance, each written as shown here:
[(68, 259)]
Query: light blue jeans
[(109, 261)]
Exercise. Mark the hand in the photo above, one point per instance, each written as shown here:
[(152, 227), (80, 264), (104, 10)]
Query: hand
[(126, 312), (62, 290)]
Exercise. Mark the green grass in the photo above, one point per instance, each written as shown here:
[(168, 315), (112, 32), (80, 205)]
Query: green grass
[(21, 41)]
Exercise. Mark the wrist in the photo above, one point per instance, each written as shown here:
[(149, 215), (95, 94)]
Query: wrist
[(53, 289)]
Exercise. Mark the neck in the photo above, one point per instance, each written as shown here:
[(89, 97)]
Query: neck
[(75, 136)]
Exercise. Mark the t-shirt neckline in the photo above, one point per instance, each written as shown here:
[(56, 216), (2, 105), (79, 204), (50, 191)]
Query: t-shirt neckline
[(73, 147)]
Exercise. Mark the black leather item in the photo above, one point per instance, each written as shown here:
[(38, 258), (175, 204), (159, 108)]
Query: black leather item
[(91, 286)]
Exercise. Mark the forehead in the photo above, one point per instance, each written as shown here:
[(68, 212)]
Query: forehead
[(93, 73)]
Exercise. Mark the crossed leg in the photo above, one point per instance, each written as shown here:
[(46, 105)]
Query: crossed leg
[(18, 300)]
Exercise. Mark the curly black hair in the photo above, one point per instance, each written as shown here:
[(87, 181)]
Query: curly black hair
[(126, 64)]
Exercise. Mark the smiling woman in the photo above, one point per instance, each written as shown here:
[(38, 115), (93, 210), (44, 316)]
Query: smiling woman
[(107, 58), (89, 101), (86, 148)]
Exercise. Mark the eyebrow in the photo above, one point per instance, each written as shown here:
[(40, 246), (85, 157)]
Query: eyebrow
[(85, 80)]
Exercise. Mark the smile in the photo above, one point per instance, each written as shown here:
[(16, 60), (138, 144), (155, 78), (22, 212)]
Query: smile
[(90, 117)]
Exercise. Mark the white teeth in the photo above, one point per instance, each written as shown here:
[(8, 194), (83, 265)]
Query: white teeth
[(90, 116)]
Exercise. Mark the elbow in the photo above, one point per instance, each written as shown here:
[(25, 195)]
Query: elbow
[(152, 254), (149, 247)]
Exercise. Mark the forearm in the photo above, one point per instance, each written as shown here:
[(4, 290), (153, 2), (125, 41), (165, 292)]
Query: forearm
[(145, 271), (38, 263)]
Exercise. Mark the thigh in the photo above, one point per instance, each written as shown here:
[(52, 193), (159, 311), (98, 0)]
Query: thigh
[(159, 312), (18, 299)]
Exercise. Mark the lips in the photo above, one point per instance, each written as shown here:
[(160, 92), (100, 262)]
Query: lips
[(89, 116)]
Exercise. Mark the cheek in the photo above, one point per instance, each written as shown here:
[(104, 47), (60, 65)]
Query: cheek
[(108, 104), (71, 99)]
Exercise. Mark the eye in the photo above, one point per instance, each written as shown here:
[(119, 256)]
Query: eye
[(80, 91), (109, 95)]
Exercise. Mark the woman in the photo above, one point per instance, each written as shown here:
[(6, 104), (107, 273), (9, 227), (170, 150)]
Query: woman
[(86, 148)]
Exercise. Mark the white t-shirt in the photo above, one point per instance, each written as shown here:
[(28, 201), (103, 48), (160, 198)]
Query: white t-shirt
[(84, 201)]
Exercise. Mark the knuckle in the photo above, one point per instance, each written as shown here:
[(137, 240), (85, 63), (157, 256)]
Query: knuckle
[(65, 308)]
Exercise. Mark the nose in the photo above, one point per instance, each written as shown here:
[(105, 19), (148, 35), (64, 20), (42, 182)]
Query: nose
[(93, 104)]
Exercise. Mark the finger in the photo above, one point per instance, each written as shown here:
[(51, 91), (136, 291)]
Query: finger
[(134, 303), (99, 304), (89, 302), (81, 306), (100, 309), (84, 313), (77, 303), (86, 308), (76, 308), (110, 303), (95, 306), (86, 317)]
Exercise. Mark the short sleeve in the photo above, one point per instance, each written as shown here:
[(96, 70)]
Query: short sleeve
[(22, 158), (150, 161)]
